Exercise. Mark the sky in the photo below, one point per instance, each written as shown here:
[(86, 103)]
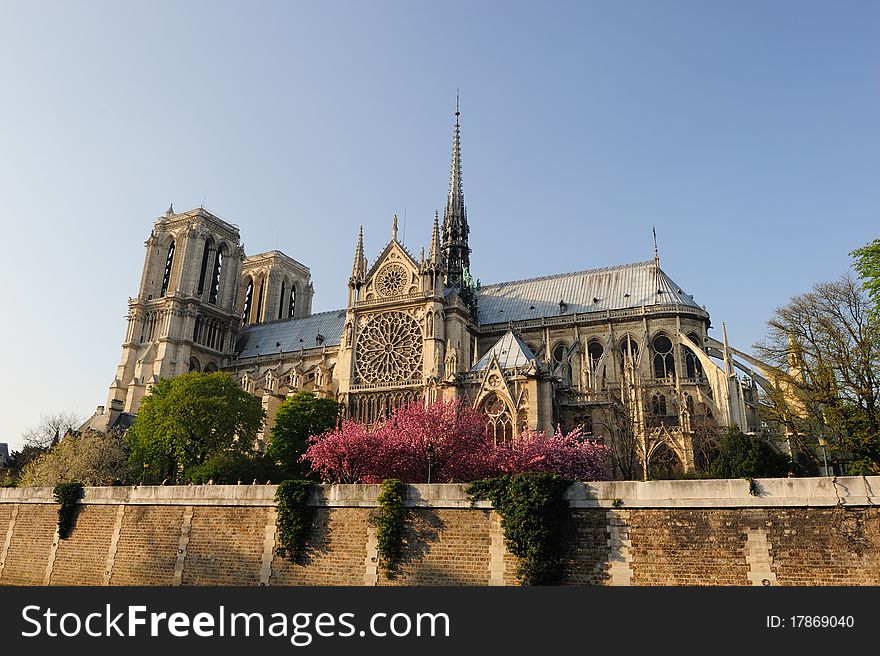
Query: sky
[(746, 132)]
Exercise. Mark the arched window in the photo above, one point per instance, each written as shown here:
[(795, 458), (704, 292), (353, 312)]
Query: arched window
[(664, 361), (166, 276), (689, 403), (282, 298), (257, 319), (658, 405), (500, 424), (629, 351), (594, 353), (561, 365), (292, 305), (248, 298), (203, 272), (215, 280), (194, 364), (693, 367)]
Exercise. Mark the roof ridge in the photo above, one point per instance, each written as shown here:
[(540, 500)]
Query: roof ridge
[(573, 273)]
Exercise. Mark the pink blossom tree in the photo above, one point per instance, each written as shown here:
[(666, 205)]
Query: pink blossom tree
[(446, 443), (568, 455)]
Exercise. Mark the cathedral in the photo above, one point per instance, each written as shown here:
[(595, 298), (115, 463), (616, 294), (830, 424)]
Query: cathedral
[(621, 352)]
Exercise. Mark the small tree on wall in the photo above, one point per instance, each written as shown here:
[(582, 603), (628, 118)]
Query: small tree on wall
[(300, 417)]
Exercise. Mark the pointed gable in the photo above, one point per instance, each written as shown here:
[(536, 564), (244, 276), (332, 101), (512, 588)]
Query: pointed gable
[(510, 352)]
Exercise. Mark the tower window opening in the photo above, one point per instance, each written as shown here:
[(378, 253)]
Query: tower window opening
[(166, 276), (292, 304), (248, 297), (260, 301), (203, 272), (215, 282), (282, 299)]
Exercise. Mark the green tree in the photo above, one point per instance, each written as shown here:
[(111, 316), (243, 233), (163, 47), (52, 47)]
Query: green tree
[(747, 456), (867, 264), (185, 421), (300, 417), (92, 458), (827, 353)]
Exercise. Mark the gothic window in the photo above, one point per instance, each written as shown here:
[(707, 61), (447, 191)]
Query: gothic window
[(215, 281), (689, 403), (196, 328), (658, 405), (693, 367), (203, 272), (629, 350), (248, 297), (194, 364), (500, 425), (594, 352), (282, 299), (257, 319), (292, 304), (392, 280), (561, 365), (692, 364), (389, 349), (166, 276), (664, 361)]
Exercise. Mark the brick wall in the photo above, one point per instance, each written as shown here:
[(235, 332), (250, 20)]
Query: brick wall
[(819, 531)]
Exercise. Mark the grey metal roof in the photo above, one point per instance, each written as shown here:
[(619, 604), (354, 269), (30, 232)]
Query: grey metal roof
[(594, 290), (510, 351), (291, 334)]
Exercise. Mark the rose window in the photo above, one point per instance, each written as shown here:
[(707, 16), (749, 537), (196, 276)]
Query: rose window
[(391, 280), (389, 349)]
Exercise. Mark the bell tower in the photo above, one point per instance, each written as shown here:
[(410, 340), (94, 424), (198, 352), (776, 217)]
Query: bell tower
[(184, 316)]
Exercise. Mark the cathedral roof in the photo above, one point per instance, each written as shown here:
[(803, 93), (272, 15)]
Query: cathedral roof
[(510, 351), (291, 334), (594, 290)]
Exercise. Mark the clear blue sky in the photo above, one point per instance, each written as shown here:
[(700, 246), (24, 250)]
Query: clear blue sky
[(747, 132)]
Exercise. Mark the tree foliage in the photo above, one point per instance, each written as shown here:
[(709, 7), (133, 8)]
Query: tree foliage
[(51, 428), (867, 264), (185, 421), (747, 456), (300, 417), (91, 458), (827, 351), (533, 515), (450, 440)]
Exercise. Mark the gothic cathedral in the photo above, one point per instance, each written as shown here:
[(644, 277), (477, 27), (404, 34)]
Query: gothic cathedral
[(621, 352)]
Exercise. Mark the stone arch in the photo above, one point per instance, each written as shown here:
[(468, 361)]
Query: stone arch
[(499, 426), (664, 358)]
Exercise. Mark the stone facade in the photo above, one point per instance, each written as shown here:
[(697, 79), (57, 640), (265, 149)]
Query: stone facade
[(621, 352), (819, 531)]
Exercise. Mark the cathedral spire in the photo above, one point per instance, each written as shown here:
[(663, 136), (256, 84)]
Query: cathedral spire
[(434, 253), (357, 269), (456, 253)]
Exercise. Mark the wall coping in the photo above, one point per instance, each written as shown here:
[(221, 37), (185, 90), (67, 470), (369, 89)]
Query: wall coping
[(720, 493)]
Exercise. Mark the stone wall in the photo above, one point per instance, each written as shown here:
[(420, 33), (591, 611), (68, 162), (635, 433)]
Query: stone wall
[(812, 531)]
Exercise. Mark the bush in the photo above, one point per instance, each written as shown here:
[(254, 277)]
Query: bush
[(747, 456), (295, 517), (231, 467), (533, 514)]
